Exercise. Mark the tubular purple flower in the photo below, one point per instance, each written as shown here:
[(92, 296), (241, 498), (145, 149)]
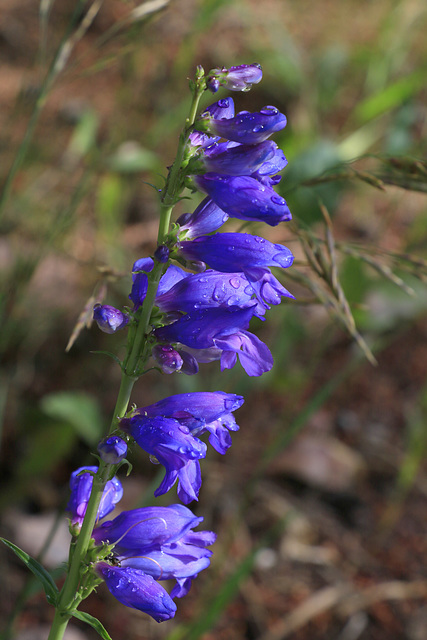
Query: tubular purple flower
[(182, 560), (81, 486), (206, 218), (210, 289), (136, 589), (112, 449), (157, 542), (200, 412), (238, 160), (246, 127), (239, 78), (232, 252), (244, 197), (175, 448), (224, 330), (108, 318), (139, 530)]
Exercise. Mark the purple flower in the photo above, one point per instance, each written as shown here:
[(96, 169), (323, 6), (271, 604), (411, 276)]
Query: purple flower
[(231, 252), (139, 530), (235, 159), (210, 289), (246, 128), (112, 449), (223, 330), (175, 448), (200, 412), (138, 590), (81, 486), (109, 319), (182, 560), (206, 218), (150, 544), (244, 197), (239, 78)]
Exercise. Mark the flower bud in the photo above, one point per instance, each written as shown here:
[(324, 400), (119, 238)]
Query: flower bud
[(112, 449), (81, 482), (167, 358), (108, 318), (240, 78), (162, 253)]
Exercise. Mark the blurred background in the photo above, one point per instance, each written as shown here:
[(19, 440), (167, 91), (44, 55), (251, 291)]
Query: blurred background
[(320, 504)]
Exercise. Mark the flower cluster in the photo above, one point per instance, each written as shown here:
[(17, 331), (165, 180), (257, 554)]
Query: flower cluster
[(168, 430), (144, 546), (202, 288)]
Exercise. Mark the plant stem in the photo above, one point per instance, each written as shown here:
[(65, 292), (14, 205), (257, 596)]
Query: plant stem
[(70, 598)]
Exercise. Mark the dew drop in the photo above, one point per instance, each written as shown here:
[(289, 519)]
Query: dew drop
[(269, 111), (153, 459), (235, 283), (278, 200), (257, 128), (223, 104), (233, 301)]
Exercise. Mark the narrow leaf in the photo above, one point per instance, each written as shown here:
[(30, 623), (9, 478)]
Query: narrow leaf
[(93, 622), (38, 570)]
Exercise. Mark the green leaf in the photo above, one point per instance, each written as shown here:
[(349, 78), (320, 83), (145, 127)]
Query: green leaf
[(78, 409), (94, 623), (50, 588)]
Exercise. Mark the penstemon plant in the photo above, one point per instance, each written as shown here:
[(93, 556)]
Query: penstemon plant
[(193, 301)]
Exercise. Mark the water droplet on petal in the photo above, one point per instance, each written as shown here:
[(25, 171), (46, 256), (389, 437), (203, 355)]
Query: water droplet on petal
[(278, 200), (235, 282), (269, 111)]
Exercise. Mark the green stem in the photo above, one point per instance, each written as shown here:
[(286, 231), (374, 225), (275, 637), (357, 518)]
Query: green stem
[(69, 598), (123, 398)]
